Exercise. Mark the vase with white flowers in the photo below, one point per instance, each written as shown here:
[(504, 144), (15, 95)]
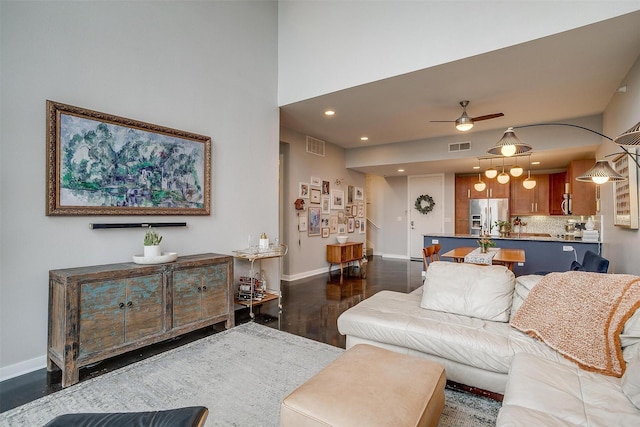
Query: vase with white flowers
[(152, 243)]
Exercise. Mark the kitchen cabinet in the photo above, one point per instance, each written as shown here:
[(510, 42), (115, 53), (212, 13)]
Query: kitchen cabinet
[(97, 312), (495, 190), (556, 191), (583, 194), (465, 191), (530, 202), (463, 194)]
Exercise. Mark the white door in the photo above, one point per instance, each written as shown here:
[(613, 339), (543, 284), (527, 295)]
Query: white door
[(419, 223)]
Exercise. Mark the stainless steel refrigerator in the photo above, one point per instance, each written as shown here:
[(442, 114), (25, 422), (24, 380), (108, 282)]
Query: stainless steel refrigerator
[(483, 213)]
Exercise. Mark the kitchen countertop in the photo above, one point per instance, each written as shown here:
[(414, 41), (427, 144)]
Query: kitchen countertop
[(524, 236)]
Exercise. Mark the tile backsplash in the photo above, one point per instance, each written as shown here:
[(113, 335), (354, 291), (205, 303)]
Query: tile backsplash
[(552, 224)]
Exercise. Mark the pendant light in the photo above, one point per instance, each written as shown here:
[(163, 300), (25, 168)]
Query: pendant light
[(600, 173), (630, 137), (491, 172), (509, 145), (503, 178), (480, 185), (529, 183), (516, 170)]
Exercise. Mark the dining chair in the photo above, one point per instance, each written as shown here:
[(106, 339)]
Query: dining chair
[(427, 255), (436, 253)]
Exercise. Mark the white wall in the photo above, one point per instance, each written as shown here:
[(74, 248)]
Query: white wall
[(325, 46), (621, 245), (207, 67), (307, 254)]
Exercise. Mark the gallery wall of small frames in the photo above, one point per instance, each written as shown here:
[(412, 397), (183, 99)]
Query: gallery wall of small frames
[(329, 210)]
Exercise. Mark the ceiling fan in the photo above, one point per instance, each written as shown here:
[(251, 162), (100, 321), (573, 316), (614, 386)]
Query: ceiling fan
[(464, 122)]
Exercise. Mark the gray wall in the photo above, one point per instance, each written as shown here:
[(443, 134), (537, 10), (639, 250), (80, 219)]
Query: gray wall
[(621, 244), (307, 254), (204, 67)]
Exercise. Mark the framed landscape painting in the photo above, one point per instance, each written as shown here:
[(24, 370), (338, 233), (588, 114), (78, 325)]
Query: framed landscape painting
[(101, 164)]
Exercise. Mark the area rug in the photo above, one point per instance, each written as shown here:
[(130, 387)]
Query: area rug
[(241, 375)]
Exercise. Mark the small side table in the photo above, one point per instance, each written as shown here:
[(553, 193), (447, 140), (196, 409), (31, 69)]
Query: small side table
[(344, 253), (259, 254)]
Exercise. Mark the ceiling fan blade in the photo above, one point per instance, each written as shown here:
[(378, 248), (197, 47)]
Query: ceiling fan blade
[(442, 121), (487, 117)]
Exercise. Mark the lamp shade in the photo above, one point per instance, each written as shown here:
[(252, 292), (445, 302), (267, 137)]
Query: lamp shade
[(516, 171), (464, 122), (630, 137), (480, 185), (503, 178), (509, 145), (491, 173), (600, 173), (529, 183)]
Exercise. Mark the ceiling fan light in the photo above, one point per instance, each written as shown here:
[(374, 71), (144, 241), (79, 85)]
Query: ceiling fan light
[(509, 145), (600, 173), (491, 173), (529, 183), (630, 137), (464, 123), (503, 178)]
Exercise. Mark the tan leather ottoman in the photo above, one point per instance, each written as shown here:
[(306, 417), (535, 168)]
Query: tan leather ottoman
[(369, 386)]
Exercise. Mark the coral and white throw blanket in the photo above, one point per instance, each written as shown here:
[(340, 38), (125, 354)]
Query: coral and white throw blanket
[(581, 315)]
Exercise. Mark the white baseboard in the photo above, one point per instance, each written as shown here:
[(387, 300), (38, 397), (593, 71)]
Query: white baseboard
[(305, 274), (395, 256), (22, 368)]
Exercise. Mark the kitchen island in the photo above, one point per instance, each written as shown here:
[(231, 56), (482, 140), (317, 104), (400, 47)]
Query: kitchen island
[(543, 253)]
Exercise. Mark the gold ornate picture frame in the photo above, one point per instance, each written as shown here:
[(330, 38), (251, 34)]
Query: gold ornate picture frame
[(102, 164)]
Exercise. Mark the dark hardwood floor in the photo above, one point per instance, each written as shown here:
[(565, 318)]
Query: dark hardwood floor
[(311, 308)]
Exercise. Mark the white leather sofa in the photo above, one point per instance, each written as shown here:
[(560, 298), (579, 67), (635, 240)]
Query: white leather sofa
[(460, 318)]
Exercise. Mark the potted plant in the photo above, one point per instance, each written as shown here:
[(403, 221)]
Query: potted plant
[(152, 243), (504, 227), (485, 242)]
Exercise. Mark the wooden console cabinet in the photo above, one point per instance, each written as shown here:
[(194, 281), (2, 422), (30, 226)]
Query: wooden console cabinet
[(101, 311), (344, 253)]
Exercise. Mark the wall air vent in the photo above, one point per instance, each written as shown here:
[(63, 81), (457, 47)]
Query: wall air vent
[(459, 146), (315, 146)]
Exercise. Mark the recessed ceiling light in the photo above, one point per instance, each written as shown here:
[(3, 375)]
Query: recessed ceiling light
[(400, 170), (364, 138), (329, 113), (535, 163), (476, 167)]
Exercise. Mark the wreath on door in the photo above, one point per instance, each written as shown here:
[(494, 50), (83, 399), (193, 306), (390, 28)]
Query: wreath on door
[(424, 204)]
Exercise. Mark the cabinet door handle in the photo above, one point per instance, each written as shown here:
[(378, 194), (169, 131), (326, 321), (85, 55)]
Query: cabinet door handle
[(468, 193), (129, 304), (121, 305), (532, 210)]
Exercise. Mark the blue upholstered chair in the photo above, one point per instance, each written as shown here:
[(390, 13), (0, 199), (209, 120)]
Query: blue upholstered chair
[(591, 262)]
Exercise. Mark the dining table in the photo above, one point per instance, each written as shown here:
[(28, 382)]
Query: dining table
[(503, 256)]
